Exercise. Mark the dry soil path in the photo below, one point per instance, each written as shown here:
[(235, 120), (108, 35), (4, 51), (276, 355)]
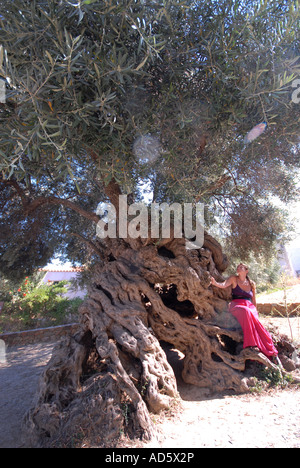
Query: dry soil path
[(277, 297), (246, 421), (18, 383)]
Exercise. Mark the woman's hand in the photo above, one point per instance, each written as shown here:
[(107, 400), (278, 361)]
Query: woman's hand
[(213, 281)]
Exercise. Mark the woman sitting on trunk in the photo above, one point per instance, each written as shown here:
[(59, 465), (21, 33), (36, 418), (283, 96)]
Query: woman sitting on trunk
[(243, 307)]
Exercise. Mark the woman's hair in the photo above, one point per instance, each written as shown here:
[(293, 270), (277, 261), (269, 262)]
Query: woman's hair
[(252, 283)]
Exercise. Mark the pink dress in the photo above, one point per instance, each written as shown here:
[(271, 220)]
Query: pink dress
[(245, 312)]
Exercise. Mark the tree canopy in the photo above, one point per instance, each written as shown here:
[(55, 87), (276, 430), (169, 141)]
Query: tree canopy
[(93, 87)]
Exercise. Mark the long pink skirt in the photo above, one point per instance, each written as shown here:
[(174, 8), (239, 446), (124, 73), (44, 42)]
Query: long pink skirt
[(254, 333)]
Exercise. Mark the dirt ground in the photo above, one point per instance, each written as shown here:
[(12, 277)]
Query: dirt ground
[(277, 297), (270, 419), (20, 369)]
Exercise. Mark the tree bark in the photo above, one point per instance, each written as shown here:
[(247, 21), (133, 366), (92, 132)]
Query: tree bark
[(109, 376)]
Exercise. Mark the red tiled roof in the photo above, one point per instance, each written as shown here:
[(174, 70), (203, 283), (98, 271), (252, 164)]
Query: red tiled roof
[(62, 269)]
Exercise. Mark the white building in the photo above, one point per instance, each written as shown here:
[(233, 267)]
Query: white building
[(55, 274), (289, 258), (294, 254), (285, 261)]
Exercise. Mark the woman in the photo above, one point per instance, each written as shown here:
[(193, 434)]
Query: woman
[(243, 307)]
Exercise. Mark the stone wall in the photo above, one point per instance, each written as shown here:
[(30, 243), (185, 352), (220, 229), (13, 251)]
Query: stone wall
[(277, 310), (38, 335)]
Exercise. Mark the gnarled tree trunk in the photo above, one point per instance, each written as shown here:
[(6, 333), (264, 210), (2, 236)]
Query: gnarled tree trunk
[(105, 380)]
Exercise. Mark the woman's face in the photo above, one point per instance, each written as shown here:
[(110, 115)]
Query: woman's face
[(241, 268)]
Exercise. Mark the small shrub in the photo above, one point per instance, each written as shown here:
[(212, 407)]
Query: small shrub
[(32, 306)]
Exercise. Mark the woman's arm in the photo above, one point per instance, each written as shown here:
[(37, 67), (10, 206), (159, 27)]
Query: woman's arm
[(254, 297), (225, 284)]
